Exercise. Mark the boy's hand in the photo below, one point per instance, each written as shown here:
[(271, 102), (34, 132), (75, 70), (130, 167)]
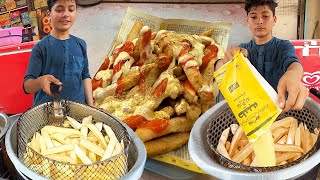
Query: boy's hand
[(297, 93), (45, 82), (232, 51)]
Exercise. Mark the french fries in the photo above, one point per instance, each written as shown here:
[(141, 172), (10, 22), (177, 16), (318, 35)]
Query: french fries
[(76, 143), (292, 140), (160, 75)]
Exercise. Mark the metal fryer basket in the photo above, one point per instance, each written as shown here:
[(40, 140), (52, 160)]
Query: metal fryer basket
[(225, 118), (36, 118), (205, 158)]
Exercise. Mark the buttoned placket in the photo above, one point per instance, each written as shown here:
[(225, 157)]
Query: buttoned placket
[(261, 59), (67, 52)]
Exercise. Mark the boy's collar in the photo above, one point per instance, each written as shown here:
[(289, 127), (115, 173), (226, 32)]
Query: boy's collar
[(264, 43)]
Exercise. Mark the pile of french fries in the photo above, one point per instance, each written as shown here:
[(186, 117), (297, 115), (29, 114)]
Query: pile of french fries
[(159, 83), (291, 141), (77, 144)]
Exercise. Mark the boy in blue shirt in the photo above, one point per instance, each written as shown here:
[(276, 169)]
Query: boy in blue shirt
[(59, 58), (274, 58)]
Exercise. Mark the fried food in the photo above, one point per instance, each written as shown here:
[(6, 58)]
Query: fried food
[(290, 144), (166, 143), (83, 143), (152, 70)]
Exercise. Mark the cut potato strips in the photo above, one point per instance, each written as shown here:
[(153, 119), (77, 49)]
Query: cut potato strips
[(234, 128), (47, 139), (60, 138), (92, 156), (222, 150), (84, 132), (92, 147), (109, 131), (287, 148), (279, 132), (283, 140), (228, 145), (98, 134), (74, 123), (87, 120), (36, 143), (94, 139), (118, 148), (235, 140), (62, 158), (81, 155), (55, 129), (42, 144), (111, 145), (285, 122), (286, 156), (56, 150), (222, 141), (291, 141), (297, 138), (243, 153), (224, 136), (84, 143), (291, 134), (99, 125), (316, 131)]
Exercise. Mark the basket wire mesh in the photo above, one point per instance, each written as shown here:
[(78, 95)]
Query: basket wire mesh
[(225, 118), (36, 118)]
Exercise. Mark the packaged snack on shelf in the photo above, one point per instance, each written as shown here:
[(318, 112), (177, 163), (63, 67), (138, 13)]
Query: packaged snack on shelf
[(5, 24), (25, 19), (40, 3), (21, 3), (10, 4), (16, 24), (33, 18), (3, 6), (15, 17), (4, 17)]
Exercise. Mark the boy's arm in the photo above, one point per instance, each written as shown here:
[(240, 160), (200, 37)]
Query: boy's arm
[(291, 83), (88, 91), (42, 82)]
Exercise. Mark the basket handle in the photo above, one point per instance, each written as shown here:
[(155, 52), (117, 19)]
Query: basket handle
[(315, 92), (57, 107)]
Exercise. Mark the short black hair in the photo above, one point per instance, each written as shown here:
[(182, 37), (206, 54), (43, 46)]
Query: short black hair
[(272, 4), (52, 2)]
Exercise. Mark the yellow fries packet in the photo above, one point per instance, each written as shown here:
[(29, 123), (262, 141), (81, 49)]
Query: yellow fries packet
[(250, 97)]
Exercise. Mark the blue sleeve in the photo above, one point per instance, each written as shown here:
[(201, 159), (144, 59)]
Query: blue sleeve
[(85, 73), (243, 45), (34, 65), (288, 55)]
